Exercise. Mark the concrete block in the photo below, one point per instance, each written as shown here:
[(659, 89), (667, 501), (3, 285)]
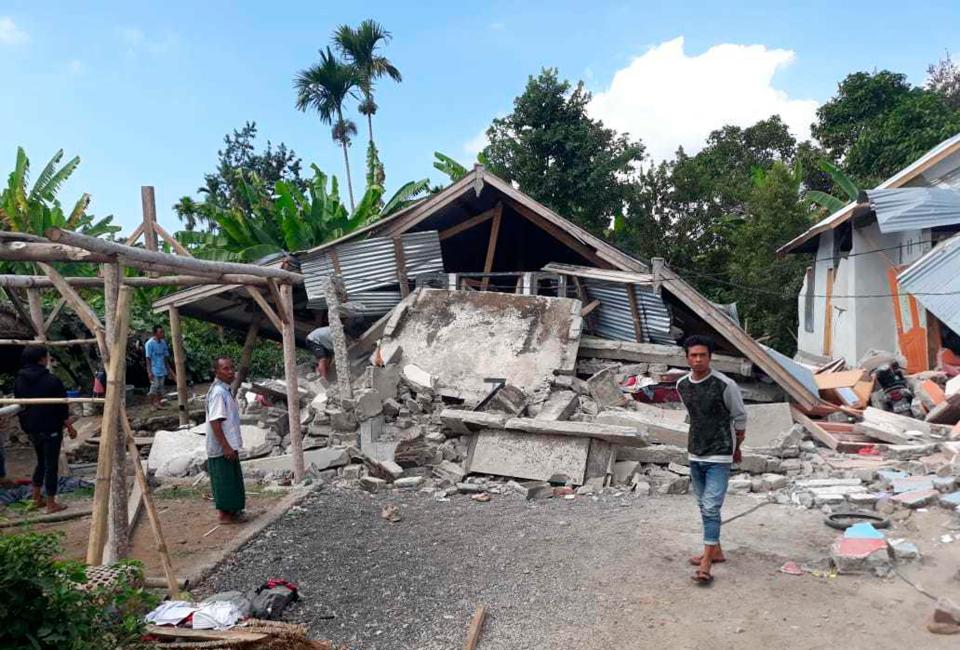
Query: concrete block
[(917, 498), (372, 483), (418, 379), (951, 501), (946, 611), (739, 486), (391, 468), (470, 488), (674, 485), (408, 482), (773, 482), (658, 454), (341, 420), (391, 407), (904, 550), (944, 483), (909, 452), (559, 406), (604, 388), (679, 469), (177, 453), (827, 482), (864, 500), (752, 463), (384, 380), (624, 470), (369, 404), (768, 425), (643, 488), (888, 476), (859, 555), (316, 459), (532, 489), (450, 470), (912, 483), (529, 456), (509, 399)]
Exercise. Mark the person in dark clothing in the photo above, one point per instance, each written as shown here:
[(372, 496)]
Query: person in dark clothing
[(43, 423)]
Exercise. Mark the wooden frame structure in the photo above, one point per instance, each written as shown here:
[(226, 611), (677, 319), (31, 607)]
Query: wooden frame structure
[(109, 535)]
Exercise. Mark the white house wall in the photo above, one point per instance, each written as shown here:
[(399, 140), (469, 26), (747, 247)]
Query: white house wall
[(811, 343)]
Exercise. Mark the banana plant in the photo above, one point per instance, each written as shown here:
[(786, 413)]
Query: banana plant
[(840, 179)]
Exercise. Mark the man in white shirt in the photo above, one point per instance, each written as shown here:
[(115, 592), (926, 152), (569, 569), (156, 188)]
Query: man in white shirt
[(223, 445), (718, 422)]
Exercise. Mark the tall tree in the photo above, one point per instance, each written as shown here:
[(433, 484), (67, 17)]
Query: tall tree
[(943, 77), (360, 46), (878, 123), (557, 154), (236, 161), (325, 87)]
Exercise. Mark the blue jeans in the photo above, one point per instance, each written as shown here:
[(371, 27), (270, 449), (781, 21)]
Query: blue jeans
[(709, 481)]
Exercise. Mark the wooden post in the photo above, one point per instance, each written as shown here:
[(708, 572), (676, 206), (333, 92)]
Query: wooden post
[(118, 529), (340, 355), (635, 313), (108, 429), (35, 302), (180, 365), (82, 309), (152, 515), (401, 261), (247, 353), (491, 246), (290, 376), (149, 203)]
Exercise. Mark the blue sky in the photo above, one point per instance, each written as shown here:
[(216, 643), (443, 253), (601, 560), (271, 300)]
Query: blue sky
[(144, 92)]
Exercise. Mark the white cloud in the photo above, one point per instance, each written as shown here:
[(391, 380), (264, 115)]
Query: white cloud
[(10, 34), (75, 66), (137, 41), (669, 99), (476, 144)]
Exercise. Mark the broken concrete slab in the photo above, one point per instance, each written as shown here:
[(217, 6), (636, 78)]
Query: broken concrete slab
[(383, 379), (509, 399), (559, 406), (372, 483), (463, 337), (177, 453), (604, 387), (600, 459), (319, 459), (624, 470), (767, 424), (408, 482), (909, 452), (882, 432), (368, 404), (655, 454), (665, 429), (418, 379), (391, 468), (626, 436), (450, 471), (464, 422), (532, 489), (529, 456), (916, 498), (912, 483), (666, 355)]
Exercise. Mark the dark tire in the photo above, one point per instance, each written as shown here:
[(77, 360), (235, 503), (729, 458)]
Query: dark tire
[(843, 520)]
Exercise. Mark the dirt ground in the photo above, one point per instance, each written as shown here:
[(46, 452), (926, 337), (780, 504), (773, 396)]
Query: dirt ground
[(608, 572)]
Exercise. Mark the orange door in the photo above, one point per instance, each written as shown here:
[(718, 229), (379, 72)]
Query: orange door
[(911, 337)]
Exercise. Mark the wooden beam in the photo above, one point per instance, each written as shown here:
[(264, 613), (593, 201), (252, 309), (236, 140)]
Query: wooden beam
[(19, 251), (149, 204), (152, 515), (467, 224), (35, 303), (335, 260), (559, 234), (293, 388), (118, 532), (589, 308), (279, 303), (186, 264), (52, 316), (49, 344), (34, 401), (265, 306), (608, 275), (135, 235), (401, 261), (82, 309), (634, 313), (180, 365), (43, 282), (476, 626), (492, 245), (247, 353), (109, 429), (170, 239)]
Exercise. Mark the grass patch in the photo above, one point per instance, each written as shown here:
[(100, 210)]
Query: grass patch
[(179, 492)]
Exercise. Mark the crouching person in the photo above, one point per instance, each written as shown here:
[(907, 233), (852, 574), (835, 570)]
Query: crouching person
[(223, 445)]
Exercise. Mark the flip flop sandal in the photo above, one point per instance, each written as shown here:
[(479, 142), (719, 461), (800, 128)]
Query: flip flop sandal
[(702, 578), (695, 561)]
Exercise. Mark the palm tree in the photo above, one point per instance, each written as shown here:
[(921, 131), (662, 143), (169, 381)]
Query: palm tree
[(324, 87), (359, 47)]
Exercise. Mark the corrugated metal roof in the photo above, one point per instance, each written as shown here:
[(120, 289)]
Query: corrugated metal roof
[(615, 320), (912, 208), (798, 371), (934, 280), (369, 265)]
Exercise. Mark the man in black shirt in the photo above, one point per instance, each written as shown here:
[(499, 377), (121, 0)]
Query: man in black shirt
[(43, 423)]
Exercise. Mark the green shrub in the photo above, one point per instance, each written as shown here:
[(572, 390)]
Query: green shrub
[(41, 606)]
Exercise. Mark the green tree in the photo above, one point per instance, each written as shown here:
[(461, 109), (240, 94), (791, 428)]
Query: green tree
[(558, 155), (878, 123), (360, 46), (325, 87), (222, 188), (943, 78)]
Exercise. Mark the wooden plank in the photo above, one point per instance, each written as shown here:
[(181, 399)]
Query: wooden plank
[(476, 626), (589, 308), (844, 379), (27, 401), (468, 224), (135, 235), (170, 239), (559, 234), (52, 316), (247, 353), (79, 306), (48, 519), (335, 260), (815, 430), (278, 302), (149, 205), (49, 344), (43, 282), (35, 303), (401, 262), (730, 331), (635, 313), (492, 246), (134, 506), (109, 429), (237, 636), (607, 275), (179, 365), (828, 315), (265, 307), (21, 251)]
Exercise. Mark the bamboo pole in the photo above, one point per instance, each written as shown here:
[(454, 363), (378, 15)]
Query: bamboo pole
[(180, 365), (247, 353), (340, 354), (108, 429), (79, 306), (35, 401), (43, 282), (118, 530), (49, 344), (35, 303), (138, 255), (148, 504), (52, 316), (290, 375)]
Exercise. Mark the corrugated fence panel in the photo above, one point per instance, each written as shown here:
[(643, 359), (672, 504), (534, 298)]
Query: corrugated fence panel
[(614, 319), (371, 264), (934, 280)]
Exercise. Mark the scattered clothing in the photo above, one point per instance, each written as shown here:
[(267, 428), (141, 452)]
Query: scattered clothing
[(226, 481), (271, 598), (217, 615), (24, 492), (157, 352), (709, 482), (172, 612)]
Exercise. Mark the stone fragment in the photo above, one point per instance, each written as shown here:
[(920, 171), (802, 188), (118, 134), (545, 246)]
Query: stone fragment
[(912, 483), (383, 380), (559, 406), (916, 499), (604, 388), (658, 454), (739, 486), (470, 488), (623, 470), (904, 550), (177, 453), (318, 459), (509, 399), (951, 501), (909, 452), (863, 500), (888, 476), (369, 404), (341, 420), (677, 468), (372, 483), (391, 468), (391, 407), (643, 488), (944, 483), (859, 555), (674, 485), (408, 482), (418, 379), (773, 482), (946, 611), (450, 471), (532, 489), (351, 471)]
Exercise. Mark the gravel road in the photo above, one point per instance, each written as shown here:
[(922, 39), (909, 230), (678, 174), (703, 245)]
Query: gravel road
[(592, 572)]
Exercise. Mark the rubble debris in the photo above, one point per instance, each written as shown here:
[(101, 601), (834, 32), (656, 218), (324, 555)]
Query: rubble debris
[(559, 406), (665, 355), (532, 489), (664, 429), (508, 399), (317, 459), (522, 455), (391, 512), (604, 388), (418, 379), (372, 483)]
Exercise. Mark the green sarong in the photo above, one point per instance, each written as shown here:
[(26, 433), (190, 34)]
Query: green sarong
[(226, 479)]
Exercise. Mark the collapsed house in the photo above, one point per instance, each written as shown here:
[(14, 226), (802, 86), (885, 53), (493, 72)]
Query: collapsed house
[(884, 277)]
